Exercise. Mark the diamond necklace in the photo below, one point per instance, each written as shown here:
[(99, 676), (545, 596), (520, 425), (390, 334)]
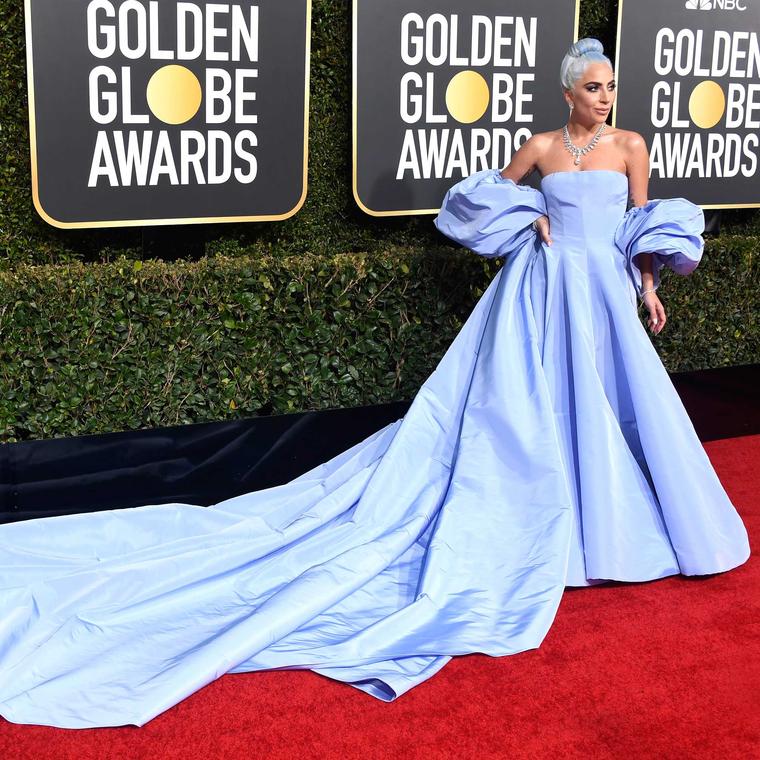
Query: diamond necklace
[(578, 152)]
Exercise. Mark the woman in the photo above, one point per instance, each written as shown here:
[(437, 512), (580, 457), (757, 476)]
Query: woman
[(547, 449)]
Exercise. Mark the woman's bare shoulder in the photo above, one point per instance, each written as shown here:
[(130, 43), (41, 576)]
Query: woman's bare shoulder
[(540, 144), (547, 138), (627, 139)]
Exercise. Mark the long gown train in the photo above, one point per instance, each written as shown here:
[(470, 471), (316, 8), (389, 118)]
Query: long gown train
[(548, 448)]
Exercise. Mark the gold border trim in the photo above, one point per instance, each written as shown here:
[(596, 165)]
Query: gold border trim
[(155, 222), (355, 122), (617, 60), (614, 117)]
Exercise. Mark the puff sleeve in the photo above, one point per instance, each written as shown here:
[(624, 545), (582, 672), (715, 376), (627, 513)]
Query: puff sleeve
[(670, 229), (490, 215)]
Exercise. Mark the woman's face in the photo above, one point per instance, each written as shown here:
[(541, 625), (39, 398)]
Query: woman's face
[(593, 94)]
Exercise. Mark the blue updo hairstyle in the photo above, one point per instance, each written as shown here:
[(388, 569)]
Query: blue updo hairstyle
[(581, 54)]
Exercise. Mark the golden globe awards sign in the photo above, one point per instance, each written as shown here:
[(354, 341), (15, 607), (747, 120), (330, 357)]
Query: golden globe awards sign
[(444, 88), (167, 112), (688, 74)]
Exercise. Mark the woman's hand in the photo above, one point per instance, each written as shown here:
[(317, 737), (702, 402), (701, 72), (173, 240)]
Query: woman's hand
[(542, 227), (656, 311)]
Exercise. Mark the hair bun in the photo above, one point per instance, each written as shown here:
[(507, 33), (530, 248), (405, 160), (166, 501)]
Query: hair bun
[(580, 55), (586, 45)]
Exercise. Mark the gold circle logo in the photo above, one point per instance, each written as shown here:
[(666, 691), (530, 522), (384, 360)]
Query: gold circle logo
[(174, 94), (707, 104), (467, 96)]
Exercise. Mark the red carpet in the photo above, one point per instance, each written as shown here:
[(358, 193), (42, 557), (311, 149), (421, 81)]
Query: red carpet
[(663, 669)]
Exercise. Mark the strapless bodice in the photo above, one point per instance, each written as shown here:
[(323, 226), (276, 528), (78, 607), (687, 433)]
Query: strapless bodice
[(587, 204)]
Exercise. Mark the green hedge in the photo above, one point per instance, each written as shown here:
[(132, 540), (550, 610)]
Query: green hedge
[(330, 221), (92, 348)]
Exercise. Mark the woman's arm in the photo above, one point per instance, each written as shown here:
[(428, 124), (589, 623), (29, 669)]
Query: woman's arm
[(637, 164), (523, 162), (525, 159)]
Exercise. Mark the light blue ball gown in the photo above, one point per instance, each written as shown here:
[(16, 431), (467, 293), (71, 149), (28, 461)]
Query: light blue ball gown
[(547, 449)]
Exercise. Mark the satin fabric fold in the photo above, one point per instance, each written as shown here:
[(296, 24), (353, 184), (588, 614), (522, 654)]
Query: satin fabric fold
[(671, 229), (548, 448)]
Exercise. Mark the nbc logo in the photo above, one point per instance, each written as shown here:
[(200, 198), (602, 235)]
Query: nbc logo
[(715, 5)]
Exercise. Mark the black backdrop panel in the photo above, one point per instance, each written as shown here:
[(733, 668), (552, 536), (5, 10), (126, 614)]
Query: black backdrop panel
[(190, 464)]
